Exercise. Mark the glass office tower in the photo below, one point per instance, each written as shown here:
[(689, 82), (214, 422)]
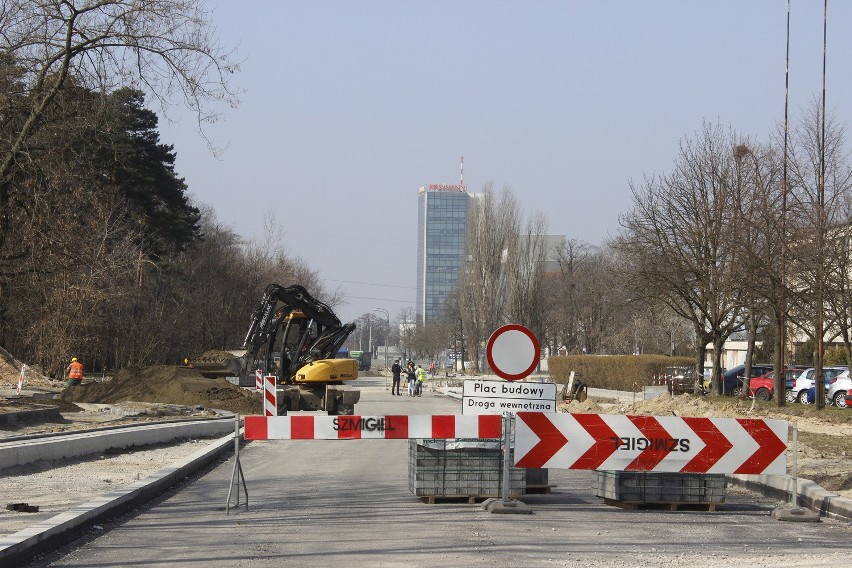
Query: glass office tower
[(441, 231)]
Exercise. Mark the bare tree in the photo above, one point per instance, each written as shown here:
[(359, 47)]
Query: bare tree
[(757, 182), (602, 302), (525, 275), (492, 227), (678, 237), (563, 307), (819, 189)]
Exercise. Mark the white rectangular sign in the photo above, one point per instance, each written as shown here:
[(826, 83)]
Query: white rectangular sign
[(497, 397)]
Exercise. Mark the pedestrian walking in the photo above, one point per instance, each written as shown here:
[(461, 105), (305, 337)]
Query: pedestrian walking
[(396, 371), (74, 372), (411, 377)]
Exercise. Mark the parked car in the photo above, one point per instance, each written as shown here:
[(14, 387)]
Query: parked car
[(839, 387), (732, 379), (806, 380), (791, 376), (849, 399), (763, 387), (679, 379)]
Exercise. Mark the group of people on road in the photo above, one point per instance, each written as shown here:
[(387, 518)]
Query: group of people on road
[(414, 376)]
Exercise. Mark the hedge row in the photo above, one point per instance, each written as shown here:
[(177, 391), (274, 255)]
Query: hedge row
[(617, 372)]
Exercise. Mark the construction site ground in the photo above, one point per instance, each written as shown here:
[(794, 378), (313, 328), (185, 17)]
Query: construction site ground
[(164, 393)]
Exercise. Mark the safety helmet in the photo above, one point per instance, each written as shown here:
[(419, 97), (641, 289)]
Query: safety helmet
[(73, 359)]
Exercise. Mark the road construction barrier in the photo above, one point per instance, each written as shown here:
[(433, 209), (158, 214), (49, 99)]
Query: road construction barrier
[(570, 441), (313, 427), (270, 396), (651, 443), (21, 380), (258, 380)]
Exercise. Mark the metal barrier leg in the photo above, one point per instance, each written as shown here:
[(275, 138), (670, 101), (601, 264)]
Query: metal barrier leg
[(237, 477)]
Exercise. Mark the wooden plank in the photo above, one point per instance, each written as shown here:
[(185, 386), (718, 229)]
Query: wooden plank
[(671, 505)]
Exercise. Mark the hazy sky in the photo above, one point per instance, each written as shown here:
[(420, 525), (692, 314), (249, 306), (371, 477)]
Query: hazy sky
[(350, 106)]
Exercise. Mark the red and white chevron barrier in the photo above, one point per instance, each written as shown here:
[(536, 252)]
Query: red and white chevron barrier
[(258, 380), (270, 396), (312, 427), (651, 443)]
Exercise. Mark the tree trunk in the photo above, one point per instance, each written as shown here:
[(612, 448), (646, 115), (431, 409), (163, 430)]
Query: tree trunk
[(780, 383), (752, 333), (718, 343)]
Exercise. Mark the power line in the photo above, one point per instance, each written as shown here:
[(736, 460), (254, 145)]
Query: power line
[(370, 284), (381, 299)]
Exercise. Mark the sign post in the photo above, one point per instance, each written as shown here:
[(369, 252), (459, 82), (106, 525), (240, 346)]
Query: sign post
[(513, 352)]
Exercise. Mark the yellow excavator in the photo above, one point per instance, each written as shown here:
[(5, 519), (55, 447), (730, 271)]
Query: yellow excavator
[(295, 337)]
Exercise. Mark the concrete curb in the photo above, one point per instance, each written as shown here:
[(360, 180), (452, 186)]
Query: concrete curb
[(20, 452), (810, 495), (22, 546)]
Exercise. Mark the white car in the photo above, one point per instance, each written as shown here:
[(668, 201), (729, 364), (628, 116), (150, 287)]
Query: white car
[(840, 385), (805, 380)]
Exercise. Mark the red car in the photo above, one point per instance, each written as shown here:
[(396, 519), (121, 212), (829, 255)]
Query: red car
[(849, 400), (763, 386)]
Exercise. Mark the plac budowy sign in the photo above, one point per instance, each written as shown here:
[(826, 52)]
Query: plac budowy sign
[(497, 397)]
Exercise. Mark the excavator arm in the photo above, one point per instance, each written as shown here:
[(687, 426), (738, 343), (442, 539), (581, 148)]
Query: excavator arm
[(295, 337), (269, 314), (309, 331)]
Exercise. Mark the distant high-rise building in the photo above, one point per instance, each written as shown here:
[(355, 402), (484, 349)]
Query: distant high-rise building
[(441, 231), (442, 215)]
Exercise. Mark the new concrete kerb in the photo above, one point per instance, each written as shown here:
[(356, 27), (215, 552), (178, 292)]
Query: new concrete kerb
[(23, 545)]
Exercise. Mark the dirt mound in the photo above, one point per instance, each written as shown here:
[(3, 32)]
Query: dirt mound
[(10, 372), (169, 385), (681, 405), (214, 356), (588, 406)]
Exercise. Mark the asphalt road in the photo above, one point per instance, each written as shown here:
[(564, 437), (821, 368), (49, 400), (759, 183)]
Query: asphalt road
[(325, 503)]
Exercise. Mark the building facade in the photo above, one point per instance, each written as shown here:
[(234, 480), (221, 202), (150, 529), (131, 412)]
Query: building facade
[(441, 231)]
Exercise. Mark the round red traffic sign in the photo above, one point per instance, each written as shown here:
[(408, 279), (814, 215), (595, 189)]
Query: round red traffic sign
[(513, 352)]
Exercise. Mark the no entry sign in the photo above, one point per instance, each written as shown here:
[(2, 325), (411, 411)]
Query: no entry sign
[(513, 352)]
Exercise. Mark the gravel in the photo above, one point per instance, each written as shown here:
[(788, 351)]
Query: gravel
[(57, 485)]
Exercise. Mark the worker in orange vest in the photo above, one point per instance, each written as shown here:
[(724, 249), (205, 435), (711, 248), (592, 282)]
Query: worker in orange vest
[(75, 372)]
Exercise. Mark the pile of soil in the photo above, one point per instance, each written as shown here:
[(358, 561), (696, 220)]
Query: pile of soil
[(213, 356), (10, 372), (169, 385)]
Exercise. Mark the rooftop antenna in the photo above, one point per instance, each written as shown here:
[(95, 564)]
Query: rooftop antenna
[(461, 181)]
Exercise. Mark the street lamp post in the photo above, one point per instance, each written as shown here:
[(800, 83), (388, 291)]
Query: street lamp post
[(387, 332)]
